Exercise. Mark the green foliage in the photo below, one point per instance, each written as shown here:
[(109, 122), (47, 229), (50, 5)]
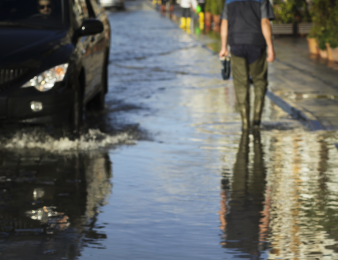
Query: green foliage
[(325, 23), (322, 40), (315, 31), (333, 39), (215, 7), (291, 11), (332, 27)]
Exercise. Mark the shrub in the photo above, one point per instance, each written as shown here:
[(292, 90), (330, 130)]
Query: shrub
[(291, 11), (322, 40), (321, 11), (332, 27)]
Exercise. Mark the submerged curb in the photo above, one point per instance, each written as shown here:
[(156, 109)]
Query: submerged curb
[(291, 109)]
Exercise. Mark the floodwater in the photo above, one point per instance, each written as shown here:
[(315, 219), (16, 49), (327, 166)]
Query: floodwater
[(165, 172)]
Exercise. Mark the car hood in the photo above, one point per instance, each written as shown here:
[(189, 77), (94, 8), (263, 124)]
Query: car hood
[(30, 47)]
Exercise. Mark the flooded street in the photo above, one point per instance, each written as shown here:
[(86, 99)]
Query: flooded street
[(165, 171)]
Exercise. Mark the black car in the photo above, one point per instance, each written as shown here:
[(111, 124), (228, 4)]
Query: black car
[(53, 60)]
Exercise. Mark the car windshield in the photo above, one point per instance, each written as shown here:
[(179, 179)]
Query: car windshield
[(42, 14)]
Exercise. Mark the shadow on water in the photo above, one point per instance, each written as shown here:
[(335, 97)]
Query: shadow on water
[(49, 203)]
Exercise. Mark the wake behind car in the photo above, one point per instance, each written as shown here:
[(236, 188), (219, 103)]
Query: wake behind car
[(53, 60)]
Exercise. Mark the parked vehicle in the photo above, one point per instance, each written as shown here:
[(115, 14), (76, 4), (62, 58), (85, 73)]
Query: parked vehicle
[(53, 60), (119, 4)]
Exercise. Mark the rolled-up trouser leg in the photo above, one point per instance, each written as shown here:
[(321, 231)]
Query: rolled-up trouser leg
[(240, 73), (258, 72)]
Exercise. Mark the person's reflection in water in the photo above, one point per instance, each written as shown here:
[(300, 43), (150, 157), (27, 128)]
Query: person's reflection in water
[(243, 220)]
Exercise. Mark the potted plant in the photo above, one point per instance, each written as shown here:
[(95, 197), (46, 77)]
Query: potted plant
[(312, 41), (332, 46), (322, 40), (332, 36), (334, 50), (208, 17), (320, 12), (213, 10)]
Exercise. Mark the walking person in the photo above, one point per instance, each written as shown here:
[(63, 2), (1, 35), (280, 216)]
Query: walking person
[(164, 4), (246, 28), (186, 6)]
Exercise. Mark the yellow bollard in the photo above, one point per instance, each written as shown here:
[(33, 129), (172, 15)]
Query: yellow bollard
[(201, 20), (188, 25), (201, 17)]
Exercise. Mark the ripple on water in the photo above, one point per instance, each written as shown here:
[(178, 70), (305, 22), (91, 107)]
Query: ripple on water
[(39, 139)]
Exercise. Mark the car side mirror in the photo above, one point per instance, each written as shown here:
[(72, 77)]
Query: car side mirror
[(90, 27)]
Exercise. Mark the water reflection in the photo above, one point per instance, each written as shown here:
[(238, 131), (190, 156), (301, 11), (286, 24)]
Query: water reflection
[(303, 190), (281, 200), (49, 202), (243, 222)]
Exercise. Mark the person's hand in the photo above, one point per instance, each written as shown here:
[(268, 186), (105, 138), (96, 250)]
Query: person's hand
[(271, 54), (224, 52)]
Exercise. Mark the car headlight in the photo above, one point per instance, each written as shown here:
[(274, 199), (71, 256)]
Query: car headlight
[(46, 80)]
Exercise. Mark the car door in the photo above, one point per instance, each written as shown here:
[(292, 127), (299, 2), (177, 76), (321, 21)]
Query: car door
[(98, 48), (81, 12)]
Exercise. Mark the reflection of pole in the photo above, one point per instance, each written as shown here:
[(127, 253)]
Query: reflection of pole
[(223, 210), (322, 169), (297, 163), (260, 187)]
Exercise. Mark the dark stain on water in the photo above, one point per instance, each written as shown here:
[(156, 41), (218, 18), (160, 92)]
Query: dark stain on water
[(49, 202)]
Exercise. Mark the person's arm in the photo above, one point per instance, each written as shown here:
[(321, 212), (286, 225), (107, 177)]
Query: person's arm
[(267, 33), (224, 32), (224, 38), (194, 5)]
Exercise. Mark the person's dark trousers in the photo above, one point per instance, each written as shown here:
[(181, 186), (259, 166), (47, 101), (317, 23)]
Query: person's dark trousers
[(241, 71), (186, 12)]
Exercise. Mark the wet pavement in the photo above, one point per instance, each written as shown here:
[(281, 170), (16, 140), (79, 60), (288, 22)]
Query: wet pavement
[(165, 172), (308, 84), (303, 85)]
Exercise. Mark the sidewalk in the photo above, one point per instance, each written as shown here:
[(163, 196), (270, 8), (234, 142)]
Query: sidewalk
[(305, 87)]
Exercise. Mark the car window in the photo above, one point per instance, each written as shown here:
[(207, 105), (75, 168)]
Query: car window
[(32, 13)]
